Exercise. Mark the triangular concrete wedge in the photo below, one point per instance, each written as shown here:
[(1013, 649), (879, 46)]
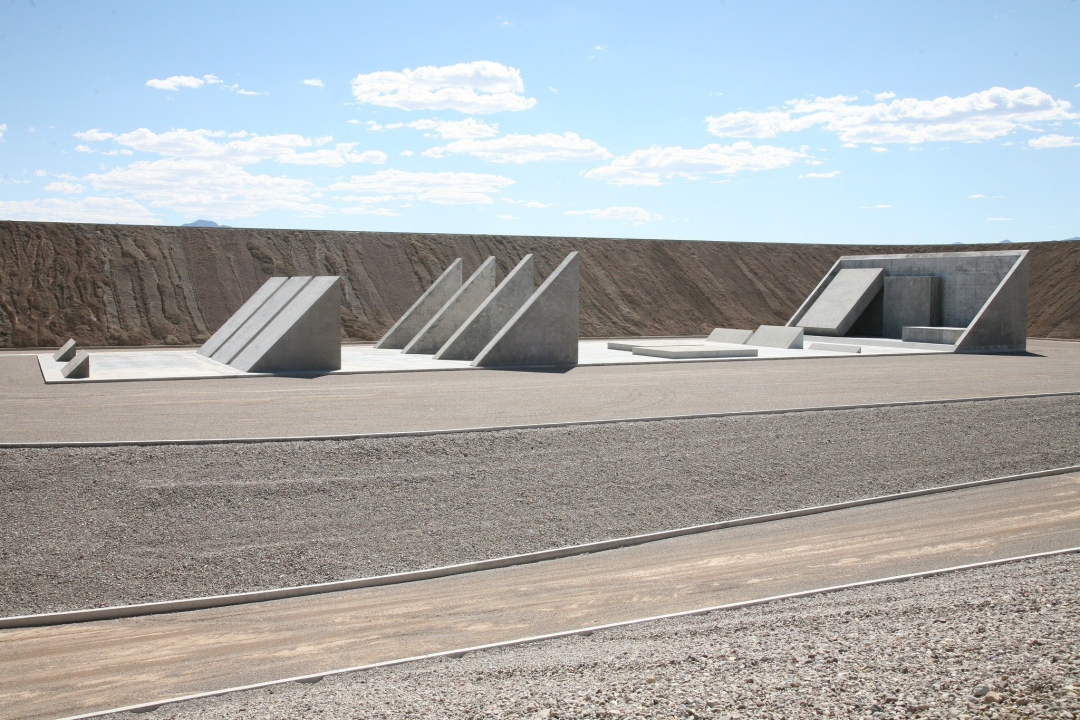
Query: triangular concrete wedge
[(241, 316), (304, 337), (255, 322), (492, 315), (545, 330), (416, 317), (456, 311)]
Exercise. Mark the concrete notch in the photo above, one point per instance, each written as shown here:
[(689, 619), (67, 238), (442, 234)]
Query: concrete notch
[(491, 315), (777, 336), (425, 308), (544, 331), (842, 301), (78, 367), (455, 312), (66, 351)]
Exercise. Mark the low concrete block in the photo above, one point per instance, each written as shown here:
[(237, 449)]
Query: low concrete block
[(910, 300), (455, 312), (491, 315), (686, 352), (941, 335), (66, 351), (544, 331), (78, 367), (777, 336), (629, 345), (834, 347), (425, 308), (236, 321), (842, 301), (727, 335)]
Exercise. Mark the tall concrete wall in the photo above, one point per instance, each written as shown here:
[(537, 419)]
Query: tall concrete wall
[(910, 301), (1001, 324), (425, 308), (492, 314), (456, 311)]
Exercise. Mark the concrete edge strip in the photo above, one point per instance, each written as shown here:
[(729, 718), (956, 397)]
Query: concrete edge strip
[(586, 631), (523, 426), (212, 601)]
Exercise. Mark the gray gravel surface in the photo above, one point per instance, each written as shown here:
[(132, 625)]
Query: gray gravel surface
[(100, 526), (999, 642)]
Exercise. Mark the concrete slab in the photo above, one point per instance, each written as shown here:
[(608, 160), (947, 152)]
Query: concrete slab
[(66, 352), (455, 312), (241, 316), (834, 347), (937, 335), (842, 301), (727, 335), (777, 336), (491, 315), (425, 308), (545, 330), (78, 367), (910, 300), (631, 343), (683, 352)]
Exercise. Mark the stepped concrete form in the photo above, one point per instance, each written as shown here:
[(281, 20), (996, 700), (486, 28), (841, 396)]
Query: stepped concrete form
[(289, 325), (777, 336), (491, 315), (544, 331), (842, 301), (727, 335), (78, 366), (425, 308), (459, 308), (66, 351)]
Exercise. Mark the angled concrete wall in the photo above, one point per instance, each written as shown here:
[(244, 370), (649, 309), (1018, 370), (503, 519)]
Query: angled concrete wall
[(66, 351), (456, 311), (777, 336), (78, 367), (257, 320), (544, 331), (842, 301), (416, 317), (1001, 324), (491, 315), (241, 316)]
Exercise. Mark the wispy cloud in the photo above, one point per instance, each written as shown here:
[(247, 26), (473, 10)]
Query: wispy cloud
[(1053, 141), (525, 148), (637, 215), (651, 166), (63, 186), (479, 87), (832, 174), (441, 188), (976, 197), (91, 209), (879, 206), (176, 82), (313, 82), (3, 129)]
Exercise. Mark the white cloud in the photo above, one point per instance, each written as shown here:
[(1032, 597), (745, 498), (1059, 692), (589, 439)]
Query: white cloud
[(84, 149), (999, 219), (362, 210), (90, 210), (832, 174), (313, 82), (176, 82), (888, 95), (525, 148), (479, 87), (537, 204), (246, 149), (406, 153), (636, 214), (241, 91), (198, 186), (3, 129), (975, 197), (64, 187), (353, 121), (40, 173), (508, 217), (1053, 141), (443, 188), (880, 149), (879, 206), (972, 118), (651, 165), (457, 129)]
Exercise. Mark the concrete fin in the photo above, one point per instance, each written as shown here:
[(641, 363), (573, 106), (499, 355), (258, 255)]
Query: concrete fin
[(79, 367), (456, 311), (544, 331), (777, 336), (66, 351), (1001, 324), (305, 336), (416, 317), (491, 315), (259, 319), (238, 318), (842, 301)]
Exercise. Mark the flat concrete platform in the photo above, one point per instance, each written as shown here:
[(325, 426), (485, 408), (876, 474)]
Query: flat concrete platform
[(31, 411), (67, 669), (686, 352)]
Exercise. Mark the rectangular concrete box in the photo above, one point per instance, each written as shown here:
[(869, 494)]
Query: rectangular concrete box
[(841, 302), (777, 336), (942, 335), (910, 300), (686, 352), (834, 347), (728, 335)]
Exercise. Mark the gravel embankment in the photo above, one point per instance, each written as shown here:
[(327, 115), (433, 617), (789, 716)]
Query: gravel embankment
[(101, 526), (999, 642)]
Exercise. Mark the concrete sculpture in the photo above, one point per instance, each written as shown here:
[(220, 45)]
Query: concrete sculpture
[(66, 351), (777, 336), (424, 309), (842, 301), (78, 367), (727, 335), (455, 312), (491, 315), (289, 325), (685, 352), (544, 331), (973, 301)]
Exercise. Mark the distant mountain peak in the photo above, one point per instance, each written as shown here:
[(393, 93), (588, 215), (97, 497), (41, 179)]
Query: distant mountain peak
[(203, 223)]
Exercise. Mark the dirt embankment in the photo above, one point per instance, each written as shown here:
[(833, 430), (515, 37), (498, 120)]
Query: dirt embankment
[(138, 285)]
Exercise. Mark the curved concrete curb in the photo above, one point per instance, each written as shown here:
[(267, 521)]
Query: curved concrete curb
[(586, 631), (212, 601), (525, 426)]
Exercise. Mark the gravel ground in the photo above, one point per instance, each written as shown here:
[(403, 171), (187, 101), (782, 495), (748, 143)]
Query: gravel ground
[(101, 526), (998, 642)]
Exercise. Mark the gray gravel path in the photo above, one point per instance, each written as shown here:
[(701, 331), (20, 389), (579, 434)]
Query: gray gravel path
[(999, 642), (100, 526)]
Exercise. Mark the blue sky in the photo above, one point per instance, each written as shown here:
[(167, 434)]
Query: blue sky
[(834, 122)]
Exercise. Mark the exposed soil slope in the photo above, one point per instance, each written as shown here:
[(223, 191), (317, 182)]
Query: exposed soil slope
[(137, 285)]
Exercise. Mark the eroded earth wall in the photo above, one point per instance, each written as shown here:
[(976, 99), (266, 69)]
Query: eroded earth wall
[(140, 285)]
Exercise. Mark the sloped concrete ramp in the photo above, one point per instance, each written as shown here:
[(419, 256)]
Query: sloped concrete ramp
[(842, 301), (491, 315), (456, 311), (425, 308)]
